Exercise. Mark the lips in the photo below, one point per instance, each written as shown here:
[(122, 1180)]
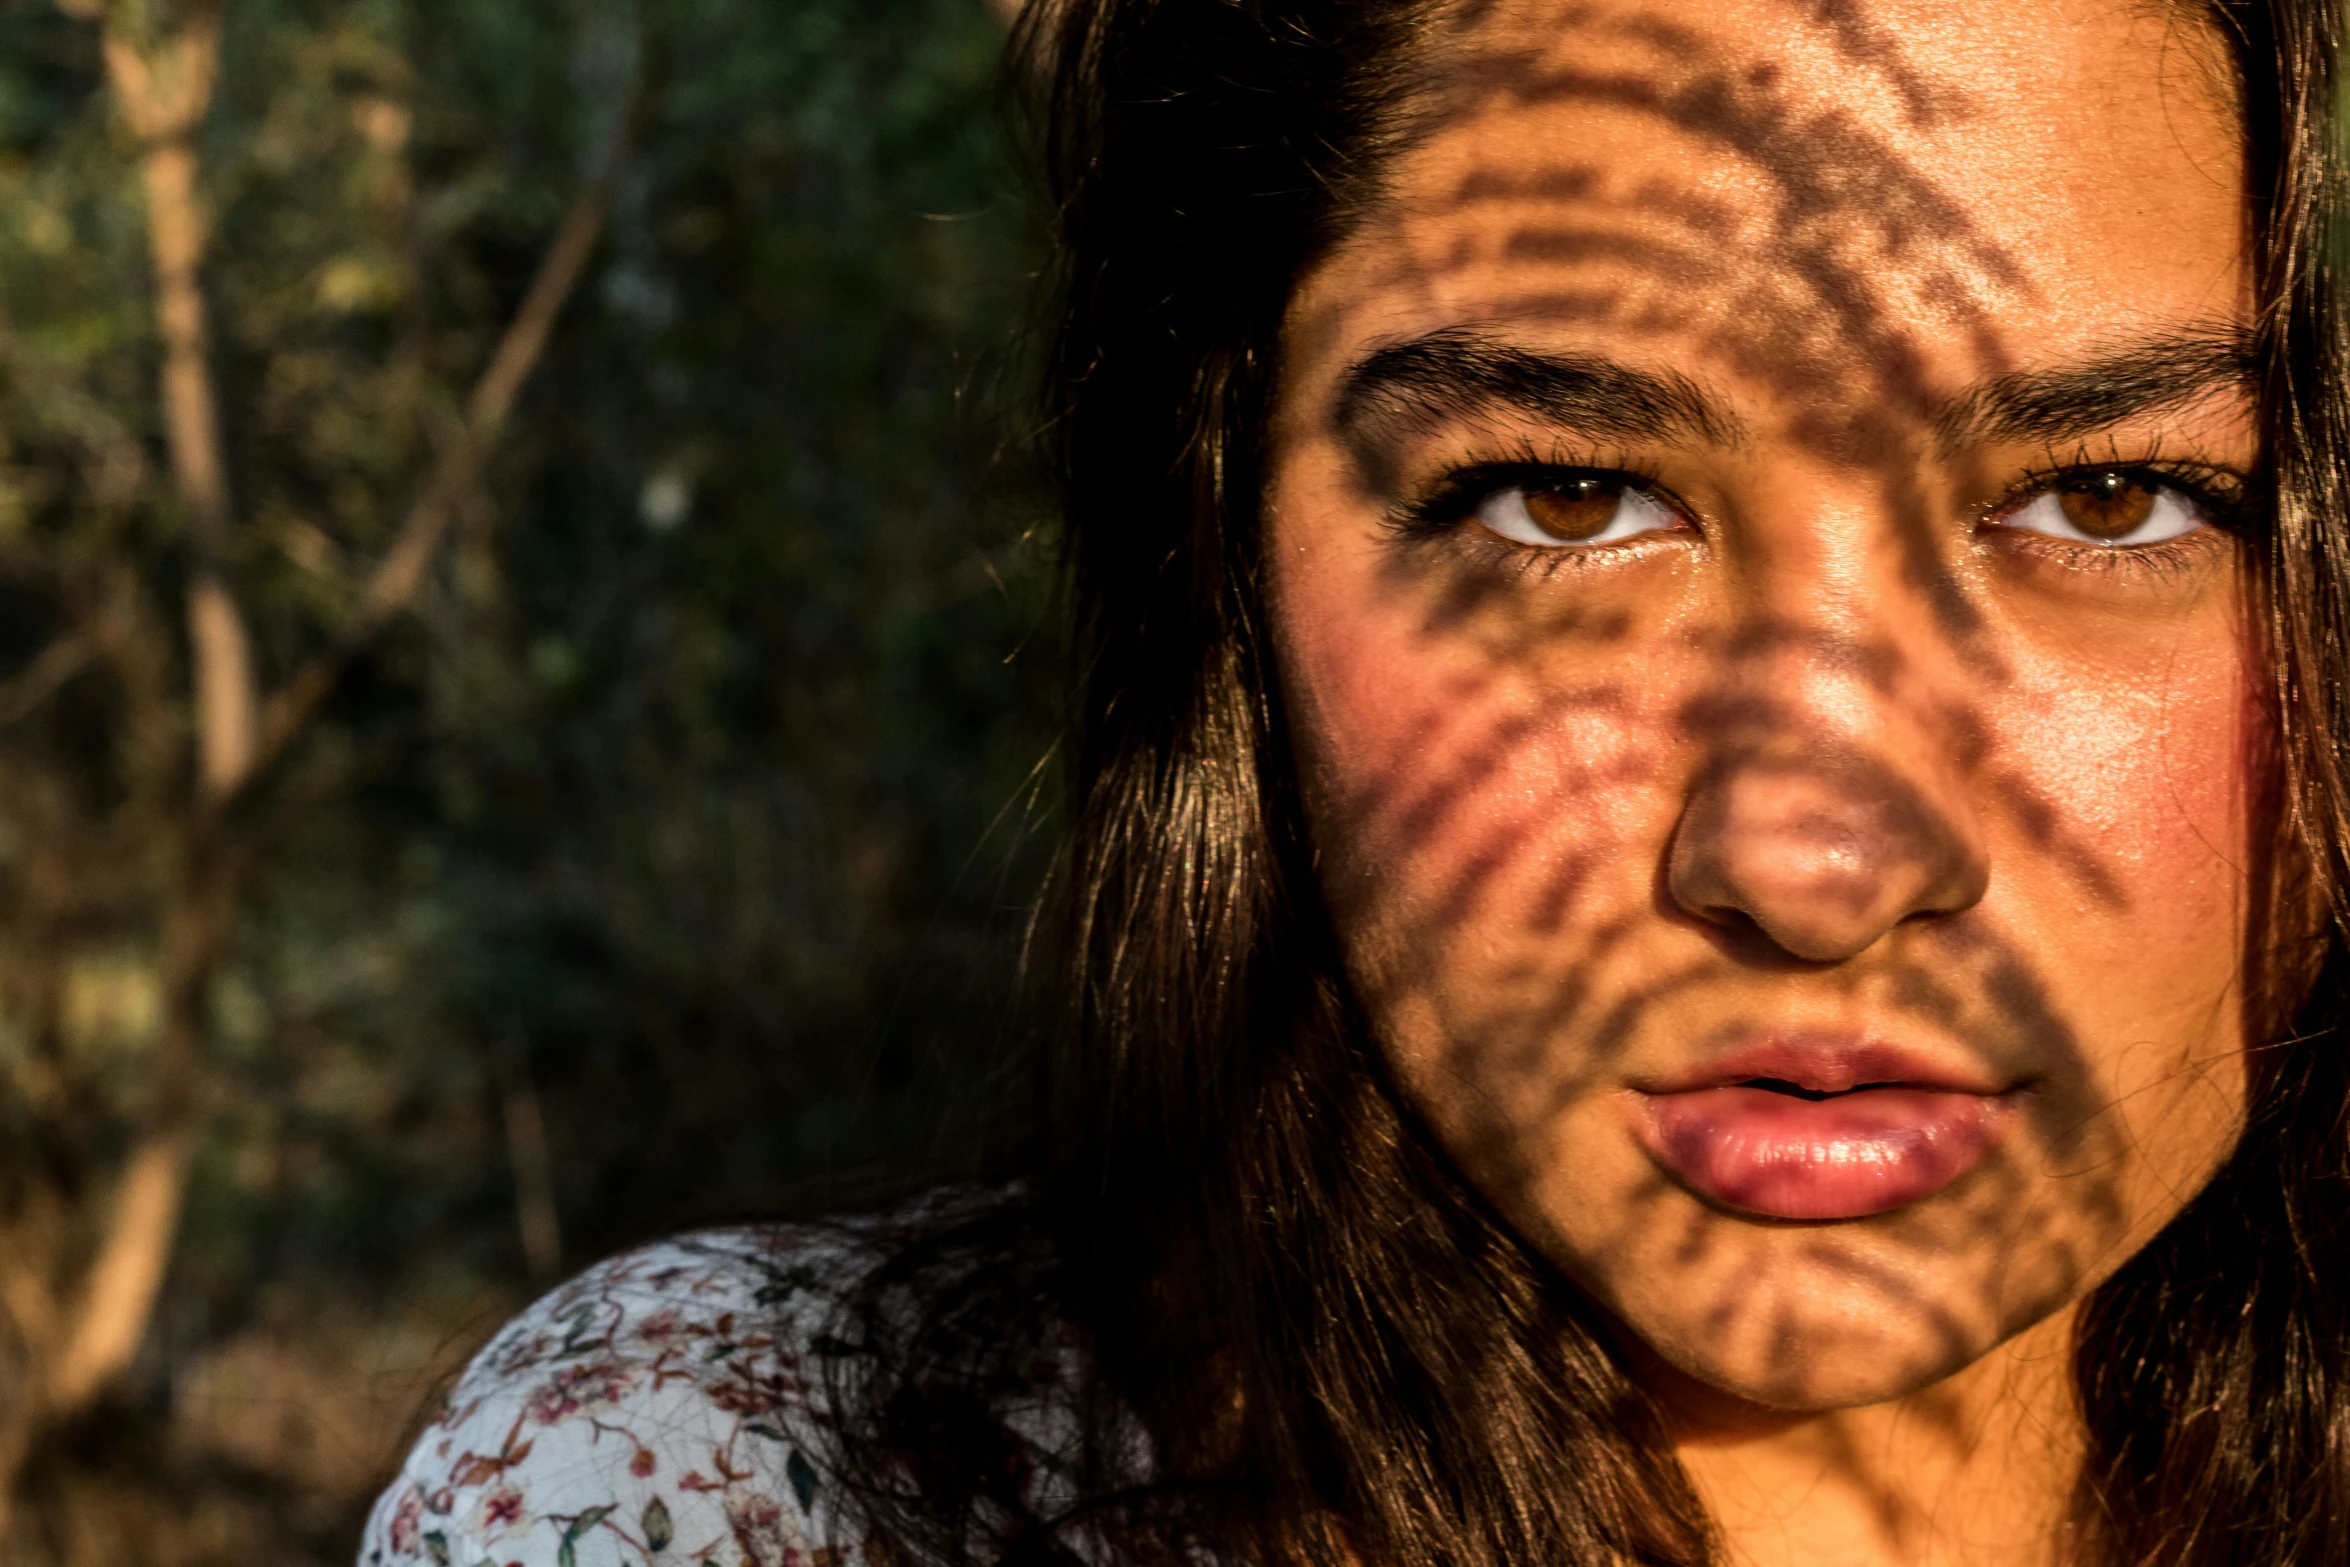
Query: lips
[(1820, 1130)]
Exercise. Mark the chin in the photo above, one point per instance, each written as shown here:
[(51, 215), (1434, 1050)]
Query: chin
[(1831, 1360), (1810, 1319)]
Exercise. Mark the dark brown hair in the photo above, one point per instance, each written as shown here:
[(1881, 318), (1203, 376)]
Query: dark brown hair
[(1337, 1348)]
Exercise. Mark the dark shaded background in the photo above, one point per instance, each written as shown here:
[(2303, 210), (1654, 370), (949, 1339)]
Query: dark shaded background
[(666, 857)]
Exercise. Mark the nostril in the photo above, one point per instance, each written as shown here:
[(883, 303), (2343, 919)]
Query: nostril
[(1739, 929)]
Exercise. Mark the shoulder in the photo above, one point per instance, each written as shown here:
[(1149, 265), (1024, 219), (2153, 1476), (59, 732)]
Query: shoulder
[(666, 1405)]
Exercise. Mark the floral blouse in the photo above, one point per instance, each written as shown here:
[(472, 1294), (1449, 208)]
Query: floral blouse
[(662, 1408)]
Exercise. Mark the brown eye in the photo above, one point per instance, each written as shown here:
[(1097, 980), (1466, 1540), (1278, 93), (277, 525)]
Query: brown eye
[(2112, 508), (2107, 505), (1575, 511)]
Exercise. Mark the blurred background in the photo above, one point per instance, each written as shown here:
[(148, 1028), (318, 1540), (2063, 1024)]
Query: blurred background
[(520, 714)]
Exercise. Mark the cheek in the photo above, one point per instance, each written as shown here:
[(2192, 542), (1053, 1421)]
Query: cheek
[(1459, 794), (2137, 787), (2128, 877)]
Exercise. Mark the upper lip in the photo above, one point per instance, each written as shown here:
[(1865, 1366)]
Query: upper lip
[(1824, 1064)]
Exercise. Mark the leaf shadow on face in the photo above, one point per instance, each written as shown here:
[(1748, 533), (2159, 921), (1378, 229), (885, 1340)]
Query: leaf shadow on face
[(1819, 302)]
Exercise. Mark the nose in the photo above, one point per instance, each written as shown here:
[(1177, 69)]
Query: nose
[(1822, 824)]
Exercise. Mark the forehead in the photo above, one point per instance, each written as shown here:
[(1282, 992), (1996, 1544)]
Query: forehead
[(1846, 204)]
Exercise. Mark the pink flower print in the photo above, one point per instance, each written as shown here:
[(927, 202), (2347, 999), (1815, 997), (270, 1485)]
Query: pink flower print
[(552, 1402), (501, 1509), (408, 1521), (642, 1464), (660, 1327), (598, 1385), (760, 1529)]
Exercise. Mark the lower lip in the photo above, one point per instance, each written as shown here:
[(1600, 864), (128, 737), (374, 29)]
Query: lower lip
[(1844, 1157)]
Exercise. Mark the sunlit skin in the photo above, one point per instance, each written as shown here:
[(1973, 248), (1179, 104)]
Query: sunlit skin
[(1721, 598)]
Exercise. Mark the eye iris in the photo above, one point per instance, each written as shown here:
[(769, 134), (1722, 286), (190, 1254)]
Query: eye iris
[(1576, 510), (2108, 506)]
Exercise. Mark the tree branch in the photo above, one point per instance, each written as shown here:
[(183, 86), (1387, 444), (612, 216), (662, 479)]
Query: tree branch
[(119, 1294), (164, 93), (119, 1291), (393, 585), (51, 668)]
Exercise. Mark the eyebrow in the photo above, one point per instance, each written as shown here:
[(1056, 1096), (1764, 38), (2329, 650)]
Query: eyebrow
[(1423, 383), (1428, 381), (2074, 401)]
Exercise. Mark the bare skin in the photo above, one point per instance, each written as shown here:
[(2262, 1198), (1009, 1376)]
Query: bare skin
[(1748, 548)]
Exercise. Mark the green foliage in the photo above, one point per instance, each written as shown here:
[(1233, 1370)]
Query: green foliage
[(688, 812)]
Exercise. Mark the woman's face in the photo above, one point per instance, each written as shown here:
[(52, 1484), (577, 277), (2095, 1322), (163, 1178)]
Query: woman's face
[(1748, 543)]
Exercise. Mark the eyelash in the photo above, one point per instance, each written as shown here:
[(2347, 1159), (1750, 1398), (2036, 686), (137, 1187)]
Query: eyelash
[(2218, 493), (1441, 510), (1455, 497), (1442, 515)]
